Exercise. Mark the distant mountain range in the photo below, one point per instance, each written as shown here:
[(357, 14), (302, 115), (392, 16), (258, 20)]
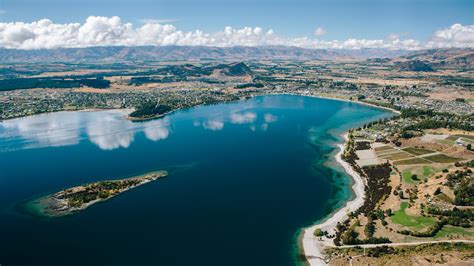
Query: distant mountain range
[(166, 53), (424, 60), (442, 58)]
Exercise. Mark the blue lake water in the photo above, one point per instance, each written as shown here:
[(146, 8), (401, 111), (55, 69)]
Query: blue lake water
[(244, 178)]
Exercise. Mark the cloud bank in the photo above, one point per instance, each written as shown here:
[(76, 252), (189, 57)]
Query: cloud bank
[(111, 31)]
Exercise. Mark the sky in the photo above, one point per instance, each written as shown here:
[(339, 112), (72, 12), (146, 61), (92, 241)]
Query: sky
[(406, 24)]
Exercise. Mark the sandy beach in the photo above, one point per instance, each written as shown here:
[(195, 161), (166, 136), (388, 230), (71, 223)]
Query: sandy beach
[(313, 246)]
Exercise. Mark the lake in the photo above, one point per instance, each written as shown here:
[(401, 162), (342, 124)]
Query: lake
[(244, 178)]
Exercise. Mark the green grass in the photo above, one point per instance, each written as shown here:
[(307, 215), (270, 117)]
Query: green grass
[(428, 170), (451, 230), (412, 161), (417, 222), (407, 177), (417, 151), (422, 172), (441, 158)]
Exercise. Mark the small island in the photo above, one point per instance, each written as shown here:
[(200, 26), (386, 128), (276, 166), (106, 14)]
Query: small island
[(76, 199)]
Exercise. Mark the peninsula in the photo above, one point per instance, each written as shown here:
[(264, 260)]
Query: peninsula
[(79, 198)]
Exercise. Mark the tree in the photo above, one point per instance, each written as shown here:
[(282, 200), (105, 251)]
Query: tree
[(469, 147), (437, 191), (414, 177), (400, 194), (318, 232)]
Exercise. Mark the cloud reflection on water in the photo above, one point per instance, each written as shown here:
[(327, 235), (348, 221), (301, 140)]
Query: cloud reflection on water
[(43, 131), (109, 129), (106, 129)]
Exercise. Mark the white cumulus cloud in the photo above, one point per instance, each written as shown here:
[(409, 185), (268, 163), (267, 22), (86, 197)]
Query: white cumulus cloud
[(319, 31), (455, 36), (110, 31)]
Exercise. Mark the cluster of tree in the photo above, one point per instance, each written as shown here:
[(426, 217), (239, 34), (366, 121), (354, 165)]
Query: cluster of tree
[(144, 80), (458, 176), (464, 193), (211, 81), (379, 251), (150, 109), (378, 179), (350, 237), (362, 145), (461, 181), (414, 65), (433, 123), (390, 104), (433, 119), (102, 189), (369, 229), (414, 112), (285, 80), (455, 216), (458, 80), (378, 122), (344, 85), (249, 85), (52, 82)]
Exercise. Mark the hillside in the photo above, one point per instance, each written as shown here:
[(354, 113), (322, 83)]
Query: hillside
[(443, 58), (169, 53), (414, 65)]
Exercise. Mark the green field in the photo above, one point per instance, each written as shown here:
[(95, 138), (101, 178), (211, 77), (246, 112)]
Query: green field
[(441, 158), (407, 177), (446, 141), (422, 172), (399, 156), (428, 170), (412, 161), (417, 222), (417, 151), (451, 230)]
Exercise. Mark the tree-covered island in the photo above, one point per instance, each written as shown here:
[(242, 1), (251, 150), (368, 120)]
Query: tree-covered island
[(75, 199)]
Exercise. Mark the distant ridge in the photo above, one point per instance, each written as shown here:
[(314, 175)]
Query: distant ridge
[(454, 58), (167, 53)]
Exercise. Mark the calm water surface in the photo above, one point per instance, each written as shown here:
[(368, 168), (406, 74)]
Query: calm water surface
[(244, 178)]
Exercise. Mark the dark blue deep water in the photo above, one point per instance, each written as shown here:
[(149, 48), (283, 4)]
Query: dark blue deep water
[(244, 178)]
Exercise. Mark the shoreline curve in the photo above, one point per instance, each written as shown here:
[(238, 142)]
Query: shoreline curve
[(313, 246)]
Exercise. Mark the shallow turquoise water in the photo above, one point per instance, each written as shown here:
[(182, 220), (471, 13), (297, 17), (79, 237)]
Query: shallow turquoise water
[(244, 178)]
